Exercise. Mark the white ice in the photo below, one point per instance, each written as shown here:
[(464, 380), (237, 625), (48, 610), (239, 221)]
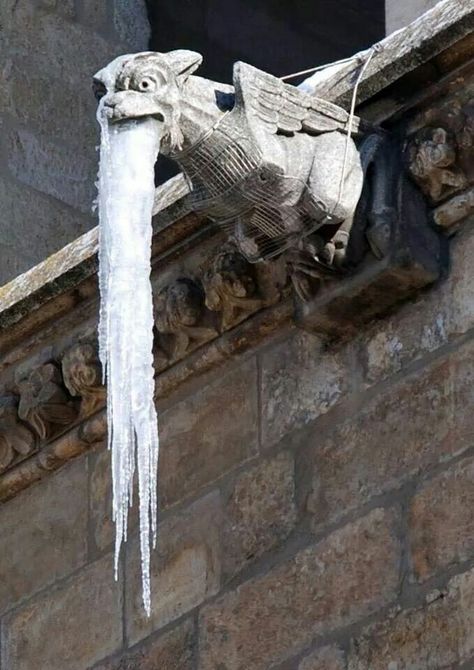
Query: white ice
[(128, 152)]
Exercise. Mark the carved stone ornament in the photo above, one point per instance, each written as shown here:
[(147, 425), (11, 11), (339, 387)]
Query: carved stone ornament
[(264, 159), (16, 440), (82, 375), (432, 160), (456, 118), (44, 403), (231, 287), (179, 312), (286, 172)]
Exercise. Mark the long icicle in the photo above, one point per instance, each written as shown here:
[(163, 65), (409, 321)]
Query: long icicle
[(128, 153)]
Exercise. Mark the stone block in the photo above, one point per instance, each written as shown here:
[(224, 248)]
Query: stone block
[(435, 636), (269, 618), (459, 286), (131, 23), (415, 330), (300, 381), (14, 13), (34, 226), (260, 512), (44, 534), (441, 520), (100, 499), (208, 434), (71, 626), (397, 434), (53, 107), (94, 14), (416, 258), (174, 650), (462, 371), (328, 658), (6, 103), (56, 45), (185, 568), (64, 8), (49, 167)]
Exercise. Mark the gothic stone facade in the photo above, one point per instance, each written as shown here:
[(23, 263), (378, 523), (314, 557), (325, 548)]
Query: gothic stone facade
[(316, 496)]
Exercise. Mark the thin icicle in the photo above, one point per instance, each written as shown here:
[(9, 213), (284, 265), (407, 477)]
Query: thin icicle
[(128, 153)]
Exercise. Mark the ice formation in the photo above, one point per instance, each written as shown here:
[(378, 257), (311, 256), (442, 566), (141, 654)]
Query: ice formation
[(128, 152)]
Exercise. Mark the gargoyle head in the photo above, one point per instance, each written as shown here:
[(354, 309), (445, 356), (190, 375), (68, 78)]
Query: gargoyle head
[(147, 84)]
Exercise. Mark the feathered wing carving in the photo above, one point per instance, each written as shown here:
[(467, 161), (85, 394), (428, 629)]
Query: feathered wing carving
[(286, 109)]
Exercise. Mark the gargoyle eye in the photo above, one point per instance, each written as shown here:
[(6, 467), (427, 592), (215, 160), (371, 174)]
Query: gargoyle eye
[(147, 84)]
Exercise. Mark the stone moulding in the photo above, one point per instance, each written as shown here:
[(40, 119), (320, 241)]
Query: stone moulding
[(92, 429), (211, 306)]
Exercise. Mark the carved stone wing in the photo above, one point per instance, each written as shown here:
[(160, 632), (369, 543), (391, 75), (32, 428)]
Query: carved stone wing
[(285, 109)]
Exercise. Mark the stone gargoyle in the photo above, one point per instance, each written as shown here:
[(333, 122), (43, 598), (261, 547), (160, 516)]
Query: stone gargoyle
[(284, 171)]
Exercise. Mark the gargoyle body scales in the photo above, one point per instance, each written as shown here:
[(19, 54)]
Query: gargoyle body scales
[(262, 157)]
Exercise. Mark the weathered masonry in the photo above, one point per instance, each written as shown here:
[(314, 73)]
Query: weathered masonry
[(317, 461)]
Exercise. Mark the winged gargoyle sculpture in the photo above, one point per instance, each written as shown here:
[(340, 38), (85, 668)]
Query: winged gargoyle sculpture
[(283, 170)]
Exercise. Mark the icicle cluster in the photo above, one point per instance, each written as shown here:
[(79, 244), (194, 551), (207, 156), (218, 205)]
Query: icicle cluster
[(128, 153)]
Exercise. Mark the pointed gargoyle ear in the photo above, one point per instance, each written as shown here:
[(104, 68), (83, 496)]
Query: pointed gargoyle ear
[(183, 62)]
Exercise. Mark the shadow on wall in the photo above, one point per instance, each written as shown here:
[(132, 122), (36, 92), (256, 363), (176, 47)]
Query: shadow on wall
[(278, 36)]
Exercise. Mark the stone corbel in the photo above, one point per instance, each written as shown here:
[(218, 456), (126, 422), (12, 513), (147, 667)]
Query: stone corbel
[(44, 403), (440, 153), (180, 318), (432, 162), (231, 287), (82, 376), (416, 256)]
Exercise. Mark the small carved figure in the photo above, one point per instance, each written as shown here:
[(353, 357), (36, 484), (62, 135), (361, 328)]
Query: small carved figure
[(179, 309), (230, 287), (263, 158), (431, 161), (44, 403), (16, 440), (83, 377)]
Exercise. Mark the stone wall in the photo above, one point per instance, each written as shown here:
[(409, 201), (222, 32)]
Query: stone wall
[(48, 163), (316, 514), (316, 497)]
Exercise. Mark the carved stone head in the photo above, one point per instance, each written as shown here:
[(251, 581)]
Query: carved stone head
[(147, 84)]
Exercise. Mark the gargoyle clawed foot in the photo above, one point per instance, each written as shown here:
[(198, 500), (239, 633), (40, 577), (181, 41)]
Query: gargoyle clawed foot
[(314, 261), (334, 252)]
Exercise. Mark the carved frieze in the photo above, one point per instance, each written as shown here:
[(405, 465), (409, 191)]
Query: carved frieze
[(82, 376), (44, 403), (231, 287), (16, 440), (180, 317)]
